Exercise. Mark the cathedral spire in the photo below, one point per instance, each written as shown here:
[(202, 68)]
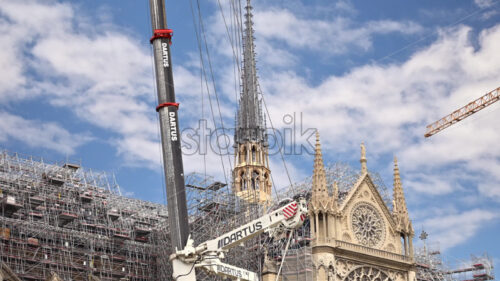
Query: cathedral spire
[(319, 178), (250, 121), (398, 194), (399, 209), (251, 173)]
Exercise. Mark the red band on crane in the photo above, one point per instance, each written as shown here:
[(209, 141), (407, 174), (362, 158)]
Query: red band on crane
[(176, 104), (290, 210), (162, 33)]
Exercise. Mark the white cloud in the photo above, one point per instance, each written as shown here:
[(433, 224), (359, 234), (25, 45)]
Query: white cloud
[(484, 3), (434, 185), (337, 36), (388, 106), (41, 135), (103, 77), (139, 151), (454, 229), (11, 77)]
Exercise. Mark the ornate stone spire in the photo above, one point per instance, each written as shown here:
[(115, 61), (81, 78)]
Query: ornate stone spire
[(250, 120), (399, 209), (364, 170), (321, 206), (319, 178), (251, 173)]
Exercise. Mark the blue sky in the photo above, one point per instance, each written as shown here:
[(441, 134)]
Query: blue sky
[(76, 82)]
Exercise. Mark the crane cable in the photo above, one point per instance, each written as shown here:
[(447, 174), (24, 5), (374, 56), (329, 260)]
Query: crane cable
[(203, 69), (284, 254), (214, 86)]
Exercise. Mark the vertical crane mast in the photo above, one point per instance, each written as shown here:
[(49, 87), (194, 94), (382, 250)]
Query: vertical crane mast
[(169, 126)]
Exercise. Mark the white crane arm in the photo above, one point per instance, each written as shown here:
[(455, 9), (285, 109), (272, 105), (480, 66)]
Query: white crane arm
[(208, 254), (291, 215)]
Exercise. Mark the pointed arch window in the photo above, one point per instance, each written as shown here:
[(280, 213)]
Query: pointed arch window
[(254, 154), (255, 180), (243, 181), (267, 186)]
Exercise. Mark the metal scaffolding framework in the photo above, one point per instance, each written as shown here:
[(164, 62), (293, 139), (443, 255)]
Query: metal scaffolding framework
[(431, 266), (62, 219)]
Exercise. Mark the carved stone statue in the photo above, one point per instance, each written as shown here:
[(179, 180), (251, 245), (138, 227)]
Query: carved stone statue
[(363, 158), (363, 151), (331, 275)]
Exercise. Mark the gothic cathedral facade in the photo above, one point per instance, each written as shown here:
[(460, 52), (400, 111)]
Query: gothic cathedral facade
[(355, 236), (358, 237)]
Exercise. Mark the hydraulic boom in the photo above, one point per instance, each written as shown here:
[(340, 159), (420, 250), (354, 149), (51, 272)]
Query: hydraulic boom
[(208, 255), (169, 126)]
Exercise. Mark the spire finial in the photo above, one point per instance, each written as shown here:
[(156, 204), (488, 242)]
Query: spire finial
[(363, 159), (396, 171), (398, 187)]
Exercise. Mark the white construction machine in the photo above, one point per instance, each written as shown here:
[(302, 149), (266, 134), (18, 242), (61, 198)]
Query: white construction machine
[(208, 255)]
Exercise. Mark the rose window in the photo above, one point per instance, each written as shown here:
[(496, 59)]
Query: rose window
[(367, 225)]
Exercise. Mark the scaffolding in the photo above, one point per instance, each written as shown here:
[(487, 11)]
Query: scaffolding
[(65, 219), (431, 266), (298, 262), (429, 263), (478, 268), (60, 221)]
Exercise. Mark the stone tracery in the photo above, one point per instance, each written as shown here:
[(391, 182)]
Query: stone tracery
[(366, 273), (367, 225)]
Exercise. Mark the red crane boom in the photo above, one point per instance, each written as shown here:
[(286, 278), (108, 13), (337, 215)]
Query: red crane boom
[(462, 113)]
